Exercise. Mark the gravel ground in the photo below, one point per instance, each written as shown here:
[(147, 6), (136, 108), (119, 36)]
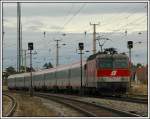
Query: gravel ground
[(62, 110), (31, 107), (137, 108), (6, 105), (39, 107), (36, 106), (141, 109)]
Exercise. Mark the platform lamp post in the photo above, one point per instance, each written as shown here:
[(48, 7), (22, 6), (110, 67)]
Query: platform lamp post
[(81, 47), (130, 46), (30, 47)]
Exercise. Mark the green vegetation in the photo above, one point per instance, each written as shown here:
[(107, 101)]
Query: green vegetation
[(48, 65), (26, 69)]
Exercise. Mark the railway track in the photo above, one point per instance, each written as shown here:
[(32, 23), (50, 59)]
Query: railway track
[(134, 99), (126, 98), (12, 106), (87, 108)]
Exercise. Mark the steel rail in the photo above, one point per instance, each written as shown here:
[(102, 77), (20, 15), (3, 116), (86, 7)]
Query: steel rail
[(126, 99), (12, 107), (84, 106), (135, 100)]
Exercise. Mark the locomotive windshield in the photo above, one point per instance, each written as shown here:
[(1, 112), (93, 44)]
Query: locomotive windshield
[(112, 63), (120, 63), (105, 63)]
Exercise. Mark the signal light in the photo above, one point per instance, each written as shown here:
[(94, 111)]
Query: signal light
[(30, 46), (81, 46), (130, 44)]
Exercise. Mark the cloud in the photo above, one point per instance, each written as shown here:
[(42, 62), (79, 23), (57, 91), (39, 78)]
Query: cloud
[(50, 17), (42, 46), (60, 9), (32, 25), (56, 27), (118, 23)]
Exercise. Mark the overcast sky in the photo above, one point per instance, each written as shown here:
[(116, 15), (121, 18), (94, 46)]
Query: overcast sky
[(74, 19)]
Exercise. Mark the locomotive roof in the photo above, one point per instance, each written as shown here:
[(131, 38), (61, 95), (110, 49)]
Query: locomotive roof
[(92, 56), (114, 56), (104, 55)]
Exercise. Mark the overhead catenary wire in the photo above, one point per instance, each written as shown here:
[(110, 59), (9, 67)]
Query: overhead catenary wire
[(69, 12), (66, 16), (143, 16), (70, 19), (121, 17), (132, 12), (114, 30), (124, 25)]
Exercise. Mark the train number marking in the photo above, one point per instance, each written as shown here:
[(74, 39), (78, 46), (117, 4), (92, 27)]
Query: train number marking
[(113, 73)]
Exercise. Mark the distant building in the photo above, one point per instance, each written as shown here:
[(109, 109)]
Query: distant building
[(142, 74)]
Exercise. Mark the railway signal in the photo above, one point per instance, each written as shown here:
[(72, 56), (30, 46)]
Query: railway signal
[(81, 47), (130, 46), (30, 47)]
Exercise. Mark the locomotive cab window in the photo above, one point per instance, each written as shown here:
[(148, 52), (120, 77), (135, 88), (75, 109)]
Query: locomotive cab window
[(120, 63), (105, 63)]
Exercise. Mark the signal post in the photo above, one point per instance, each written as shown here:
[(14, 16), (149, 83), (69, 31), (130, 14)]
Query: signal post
[(130, 46), (30, 47), (81, 47)]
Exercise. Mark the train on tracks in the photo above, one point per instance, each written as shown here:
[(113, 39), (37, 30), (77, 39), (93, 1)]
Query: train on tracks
[(103, 73)]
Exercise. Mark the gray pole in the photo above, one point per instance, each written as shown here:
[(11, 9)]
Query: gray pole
[(2, 34), (81, 47), (25, 63), (18, 36), (130, 45), (21, 50), (101, 48), (94, 37), (31, 89), (130, 54), (81, 66), (130, 65), (57, 52)]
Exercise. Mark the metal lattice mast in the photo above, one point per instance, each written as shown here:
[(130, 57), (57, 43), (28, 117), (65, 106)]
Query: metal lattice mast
[(94, 37), (19, 40)]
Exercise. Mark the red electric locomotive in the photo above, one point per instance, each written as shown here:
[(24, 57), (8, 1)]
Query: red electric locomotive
[(108, 72)]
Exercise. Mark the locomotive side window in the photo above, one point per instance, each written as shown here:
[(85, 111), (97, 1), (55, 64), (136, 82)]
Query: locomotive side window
[(120, 63)]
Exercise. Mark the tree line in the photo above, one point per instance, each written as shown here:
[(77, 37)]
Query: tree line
[(11, 70)]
